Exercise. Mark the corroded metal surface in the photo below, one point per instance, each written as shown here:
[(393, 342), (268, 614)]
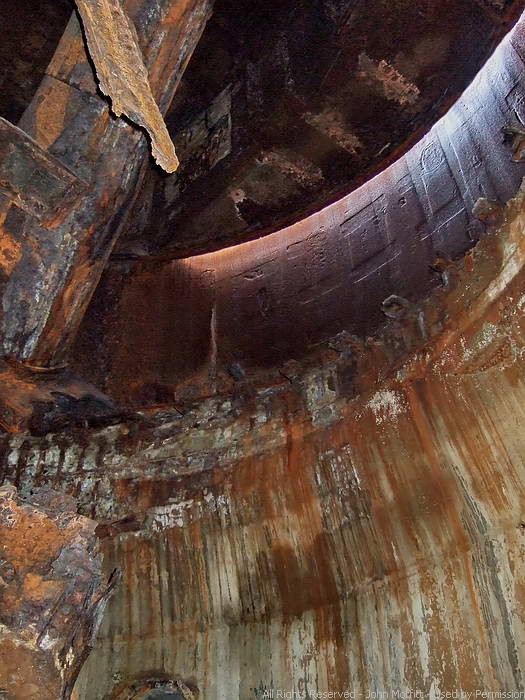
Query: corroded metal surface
[(381, 550), (352, 518), (466, 326), (50, 269), (50, 276), (51, 594), (122, 76)]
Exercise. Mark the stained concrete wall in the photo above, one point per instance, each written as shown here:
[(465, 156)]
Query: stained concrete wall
[(361, 528), (355, 525), (382, 553)]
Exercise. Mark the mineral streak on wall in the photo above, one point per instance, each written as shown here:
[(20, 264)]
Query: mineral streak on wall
[(360, 526)]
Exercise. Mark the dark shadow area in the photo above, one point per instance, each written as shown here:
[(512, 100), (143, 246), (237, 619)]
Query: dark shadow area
[(31, 30)]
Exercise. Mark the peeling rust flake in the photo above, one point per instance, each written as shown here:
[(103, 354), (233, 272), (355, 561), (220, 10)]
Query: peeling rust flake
[(113, 45)]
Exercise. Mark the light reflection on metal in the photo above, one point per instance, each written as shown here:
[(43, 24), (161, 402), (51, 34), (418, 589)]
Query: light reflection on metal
[(478, 92)]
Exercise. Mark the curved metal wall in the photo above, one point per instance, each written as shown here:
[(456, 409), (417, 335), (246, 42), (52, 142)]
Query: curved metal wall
[(265, 301)]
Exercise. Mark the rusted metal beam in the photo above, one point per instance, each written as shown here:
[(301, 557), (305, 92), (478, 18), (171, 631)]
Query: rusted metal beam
[(34, 180), (47, 275), (114, 47), (52, 594)]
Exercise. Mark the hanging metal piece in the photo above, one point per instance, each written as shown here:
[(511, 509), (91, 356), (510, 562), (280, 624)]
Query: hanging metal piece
[(113, 45)]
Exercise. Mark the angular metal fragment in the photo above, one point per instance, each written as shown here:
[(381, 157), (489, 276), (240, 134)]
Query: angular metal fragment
[(113, 45)]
